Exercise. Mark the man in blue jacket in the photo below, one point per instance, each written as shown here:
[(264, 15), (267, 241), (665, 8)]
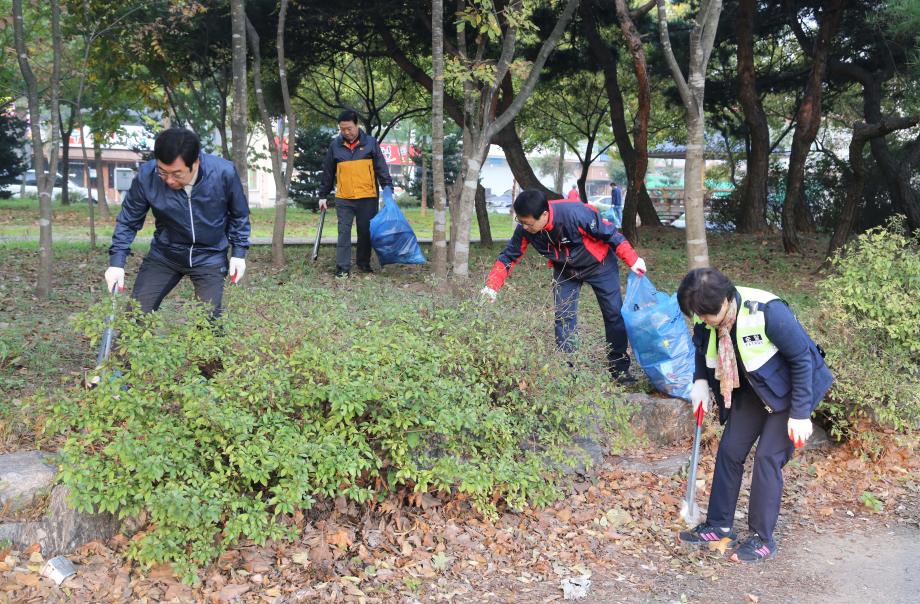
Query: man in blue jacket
[(200, 212), (768, 376), (577, 242)]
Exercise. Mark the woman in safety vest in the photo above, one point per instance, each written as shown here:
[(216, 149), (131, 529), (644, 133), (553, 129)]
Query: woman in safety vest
[(767, 376)]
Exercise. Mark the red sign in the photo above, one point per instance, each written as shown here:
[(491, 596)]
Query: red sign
[(396, 154)]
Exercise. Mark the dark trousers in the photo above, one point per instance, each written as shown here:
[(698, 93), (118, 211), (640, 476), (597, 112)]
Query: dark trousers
[(157, 278), (359, 211), (604, 279), (748, 420)]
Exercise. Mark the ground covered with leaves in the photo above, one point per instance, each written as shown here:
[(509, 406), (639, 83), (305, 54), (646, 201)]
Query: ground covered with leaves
[(617, 526)]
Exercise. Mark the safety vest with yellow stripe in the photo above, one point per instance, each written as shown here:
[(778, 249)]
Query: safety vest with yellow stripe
[(754, 347)]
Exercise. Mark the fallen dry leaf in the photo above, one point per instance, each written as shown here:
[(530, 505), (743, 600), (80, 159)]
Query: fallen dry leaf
[(26, 580), (230, 592), (752, 598), (828, 511)]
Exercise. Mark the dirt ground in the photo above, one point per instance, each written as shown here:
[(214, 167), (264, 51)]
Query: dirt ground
[(618, 527)]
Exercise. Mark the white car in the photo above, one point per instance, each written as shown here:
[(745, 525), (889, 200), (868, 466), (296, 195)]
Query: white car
[(681, 223), (74, 190)]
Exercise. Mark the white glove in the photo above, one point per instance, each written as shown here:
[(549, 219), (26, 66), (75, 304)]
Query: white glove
[(488, 293), (799, 430), (115, 275), (323, 204), (699, 395), (638, 267), (237, 269)]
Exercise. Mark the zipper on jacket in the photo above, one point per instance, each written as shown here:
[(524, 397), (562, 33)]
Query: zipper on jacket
[(191, 220)]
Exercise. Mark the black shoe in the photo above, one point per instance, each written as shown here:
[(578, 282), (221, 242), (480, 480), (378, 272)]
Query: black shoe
[(706, 534), (754, 549), (343, 273), (624, 378), (365, 268)]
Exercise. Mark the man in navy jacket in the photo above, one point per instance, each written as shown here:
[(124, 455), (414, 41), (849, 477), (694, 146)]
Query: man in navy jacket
[(200, 212), (577, 242)]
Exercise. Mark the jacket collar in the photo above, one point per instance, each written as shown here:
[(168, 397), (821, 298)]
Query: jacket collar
[(552, 215), (361, 140)]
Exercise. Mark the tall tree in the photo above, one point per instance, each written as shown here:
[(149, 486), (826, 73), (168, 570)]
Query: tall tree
[(44, 178), (507, 137), (692, 94), (635, 172), (862, 133), (632, 156), (282, 162), (481, 90), (752, 217), (808, 119), (439, 229), (573, 110), (240, 116)]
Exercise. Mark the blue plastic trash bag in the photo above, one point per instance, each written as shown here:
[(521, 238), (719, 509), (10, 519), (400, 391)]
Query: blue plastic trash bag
[(615, 215), (659, 336), (392, 237)]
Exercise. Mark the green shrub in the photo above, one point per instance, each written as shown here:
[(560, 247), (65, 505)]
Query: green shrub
[(221, 432), (872, 305)]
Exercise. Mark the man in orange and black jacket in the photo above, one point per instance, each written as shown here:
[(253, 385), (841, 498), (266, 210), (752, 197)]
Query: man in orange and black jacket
[(354, 164), (578, 244)]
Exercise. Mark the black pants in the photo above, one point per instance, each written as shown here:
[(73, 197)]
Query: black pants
[(157, 278), (748, 420), (348, 211), (604, 279)]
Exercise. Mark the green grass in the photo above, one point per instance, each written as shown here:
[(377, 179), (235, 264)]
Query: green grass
[(19, 218)]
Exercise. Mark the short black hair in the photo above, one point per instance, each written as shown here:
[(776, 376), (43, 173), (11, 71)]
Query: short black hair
[(703, 290), (613, 183), (177, 142), (531, 202), (349, 115)]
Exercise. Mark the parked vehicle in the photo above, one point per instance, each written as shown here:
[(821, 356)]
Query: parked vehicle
[(499, 203), (681, 223), (75, 191)]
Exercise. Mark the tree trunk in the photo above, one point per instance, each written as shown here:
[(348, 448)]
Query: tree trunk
[(862, 133), (439, 230), (65, 156), (461, 245), (89, 201), (637, 200), (423, 202), (694, 165), (639, 164), (281, 171), (808, 119), (482, 217), (44, 179), (692, 93), (559, 176), (752, 217), (239, 121), (100, 177)]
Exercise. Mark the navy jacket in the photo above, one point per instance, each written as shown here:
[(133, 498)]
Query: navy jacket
[(192, 231), (575, 237), (796, 378)]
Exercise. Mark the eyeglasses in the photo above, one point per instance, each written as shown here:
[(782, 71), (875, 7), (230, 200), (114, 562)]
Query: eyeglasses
[(176, 175)]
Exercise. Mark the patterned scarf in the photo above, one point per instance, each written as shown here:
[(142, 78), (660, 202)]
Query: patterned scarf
[(727, 367)]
